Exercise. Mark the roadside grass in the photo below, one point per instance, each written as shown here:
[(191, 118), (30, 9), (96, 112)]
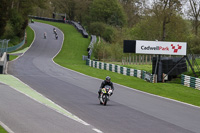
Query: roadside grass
[(145, 67), (29, 40), (75, 46), (2, 130), (12, 57)]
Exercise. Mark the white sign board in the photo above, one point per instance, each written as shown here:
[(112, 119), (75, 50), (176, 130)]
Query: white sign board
[(159, 47)]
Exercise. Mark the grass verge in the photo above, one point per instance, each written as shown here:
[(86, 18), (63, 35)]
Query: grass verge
[(12, 57), (75, 46), (2, 130)]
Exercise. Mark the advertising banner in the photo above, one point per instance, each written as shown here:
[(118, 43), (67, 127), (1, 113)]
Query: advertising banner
[(160, 47)]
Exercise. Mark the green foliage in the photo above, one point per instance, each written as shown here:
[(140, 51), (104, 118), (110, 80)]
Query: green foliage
[(97, 28), (109, 12), (9, 33), (3, 16), (101, 51), (14, 17), (109, 34), (194, 43), (177, 29), (106, 31), (107, 52), (29, 39), (147, 29), (150, 28), (16, 21), (14, 41)]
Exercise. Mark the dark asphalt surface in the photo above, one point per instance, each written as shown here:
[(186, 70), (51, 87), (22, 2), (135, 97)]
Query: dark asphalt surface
[(129, 111), (24, 115)]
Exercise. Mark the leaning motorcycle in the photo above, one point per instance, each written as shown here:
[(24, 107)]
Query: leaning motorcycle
[(105, 94)]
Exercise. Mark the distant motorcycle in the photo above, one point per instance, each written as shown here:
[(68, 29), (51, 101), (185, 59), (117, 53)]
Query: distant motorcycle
[(105, 94), (32, 21)]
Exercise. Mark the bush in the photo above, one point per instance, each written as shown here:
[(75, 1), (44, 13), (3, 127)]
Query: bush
[(116, 52), (97, 28), (194, 43), (101, 51), (108, 52), (103, 30), (109, 34)]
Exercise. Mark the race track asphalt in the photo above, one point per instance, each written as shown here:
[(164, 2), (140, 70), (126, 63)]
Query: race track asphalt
[(22, 114), (129, 110)]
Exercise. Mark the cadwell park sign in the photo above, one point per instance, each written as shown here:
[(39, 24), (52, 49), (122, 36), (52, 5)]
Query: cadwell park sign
[(162, 67), (155, 47)]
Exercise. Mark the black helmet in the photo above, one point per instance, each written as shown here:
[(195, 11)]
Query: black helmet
[(108, 78)]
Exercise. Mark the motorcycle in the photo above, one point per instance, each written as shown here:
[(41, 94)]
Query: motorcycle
[(105, 94)]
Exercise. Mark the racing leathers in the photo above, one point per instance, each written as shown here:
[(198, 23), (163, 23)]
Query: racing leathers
[(103, 84)]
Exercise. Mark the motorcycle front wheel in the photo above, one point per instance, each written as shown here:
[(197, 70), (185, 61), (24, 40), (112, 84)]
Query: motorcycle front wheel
[(105, 100)]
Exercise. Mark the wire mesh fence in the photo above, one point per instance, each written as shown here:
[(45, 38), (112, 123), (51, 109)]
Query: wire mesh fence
[(3, 46)]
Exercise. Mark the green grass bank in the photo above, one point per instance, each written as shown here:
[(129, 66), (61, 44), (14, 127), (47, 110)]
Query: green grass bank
[(2, 130)]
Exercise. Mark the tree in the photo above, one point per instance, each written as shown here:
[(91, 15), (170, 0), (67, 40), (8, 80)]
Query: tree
[(65, 6), (15, 12), (195, 14), (109, 12), (133, 10), (164, 10), (4, 11), (82, 10), (150, 28)]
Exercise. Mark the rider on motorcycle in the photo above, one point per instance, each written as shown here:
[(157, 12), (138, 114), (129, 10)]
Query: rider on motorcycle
[(104, 83)]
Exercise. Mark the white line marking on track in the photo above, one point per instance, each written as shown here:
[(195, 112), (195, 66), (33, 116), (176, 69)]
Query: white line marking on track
[(97, 130), (6, 127), (67, 113)]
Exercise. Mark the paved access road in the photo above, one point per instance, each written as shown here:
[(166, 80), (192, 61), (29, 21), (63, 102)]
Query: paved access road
[(129, 111)]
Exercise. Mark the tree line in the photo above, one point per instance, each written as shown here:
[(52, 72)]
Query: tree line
[(115, 20)]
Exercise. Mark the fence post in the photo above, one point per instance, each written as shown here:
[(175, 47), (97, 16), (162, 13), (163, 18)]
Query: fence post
[(146, 59), (139, 59), (136, 59)]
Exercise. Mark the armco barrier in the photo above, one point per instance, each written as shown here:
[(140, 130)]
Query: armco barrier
[(121, 70), (90, 47), (76, 24), (190, 81), (80, 29)]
